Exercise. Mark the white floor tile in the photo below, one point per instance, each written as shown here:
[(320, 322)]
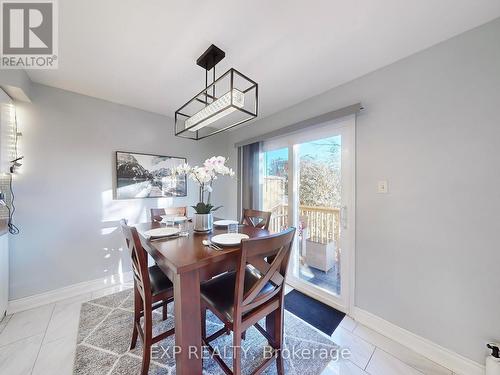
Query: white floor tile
[(401, 352), (64, 321), (56, 357), (348, 323), (342, 368), (26, 323), (361, 351), (4, 322), (383, 363), (18, 358)]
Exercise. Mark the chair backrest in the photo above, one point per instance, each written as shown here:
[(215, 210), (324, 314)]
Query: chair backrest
[(255, 218), (139, 258), (269, 256), (156, 213)]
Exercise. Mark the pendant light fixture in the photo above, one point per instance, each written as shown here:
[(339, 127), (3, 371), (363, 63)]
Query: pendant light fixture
[(228, 101)]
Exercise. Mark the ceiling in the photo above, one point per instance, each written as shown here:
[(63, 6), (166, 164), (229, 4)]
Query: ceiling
[(142, 53)]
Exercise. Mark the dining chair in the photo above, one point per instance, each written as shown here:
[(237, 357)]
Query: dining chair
[(152, 290), (240, 299), (255, 218), (156, 213)]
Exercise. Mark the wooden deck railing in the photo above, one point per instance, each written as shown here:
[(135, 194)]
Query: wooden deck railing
[(279, 218), (322, 222)]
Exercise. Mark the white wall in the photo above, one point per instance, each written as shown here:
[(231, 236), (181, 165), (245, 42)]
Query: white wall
[(4, 273), (65, 210), (428, 256)]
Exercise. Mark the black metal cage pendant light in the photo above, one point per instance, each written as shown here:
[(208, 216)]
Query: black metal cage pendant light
[(228, 101)]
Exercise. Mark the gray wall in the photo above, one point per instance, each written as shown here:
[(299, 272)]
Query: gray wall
[(65, 210), (428, 256)]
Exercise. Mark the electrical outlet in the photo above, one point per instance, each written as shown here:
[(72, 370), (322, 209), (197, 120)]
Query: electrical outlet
[(382, 187)]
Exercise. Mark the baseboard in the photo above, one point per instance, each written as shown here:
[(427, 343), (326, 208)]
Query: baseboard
[(69, 291), (442, 356)]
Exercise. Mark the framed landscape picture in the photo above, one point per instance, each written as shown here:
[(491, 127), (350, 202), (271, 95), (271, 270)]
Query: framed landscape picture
[(148, 176)]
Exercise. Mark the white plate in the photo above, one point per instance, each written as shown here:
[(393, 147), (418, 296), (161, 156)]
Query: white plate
[(161, 232), (228, 239), (224, 223), (175, 219)]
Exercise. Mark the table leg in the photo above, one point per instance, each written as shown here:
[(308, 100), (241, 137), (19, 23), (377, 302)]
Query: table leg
[(188, 323)]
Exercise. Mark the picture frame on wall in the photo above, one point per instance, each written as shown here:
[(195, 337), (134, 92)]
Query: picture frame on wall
[(140, 175)]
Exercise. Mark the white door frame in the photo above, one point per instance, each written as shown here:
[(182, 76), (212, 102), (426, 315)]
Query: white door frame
[(346, 128)]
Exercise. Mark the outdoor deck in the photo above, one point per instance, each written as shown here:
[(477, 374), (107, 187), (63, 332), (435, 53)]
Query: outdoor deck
[(318, 239)]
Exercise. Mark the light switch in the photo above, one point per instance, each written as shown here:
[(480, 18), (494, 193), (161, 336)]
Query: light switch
[(382, 187)]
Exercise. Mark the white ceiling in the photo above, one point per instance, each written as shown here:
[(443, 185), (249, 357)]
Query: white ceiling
[(142, 53)]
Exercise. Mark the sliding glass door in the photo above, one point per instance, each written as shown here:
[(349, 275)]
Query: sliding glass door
[(307, 182), (275, 186)]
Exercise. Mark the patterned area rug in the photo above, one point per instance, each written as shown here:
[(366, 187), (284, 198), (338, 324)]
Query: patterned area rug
[(106, 326)]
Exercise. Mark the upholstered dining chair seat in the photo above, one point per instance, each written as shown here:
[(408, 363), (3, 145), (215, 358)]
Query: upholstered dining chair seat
[(219, 291), (159, 281)]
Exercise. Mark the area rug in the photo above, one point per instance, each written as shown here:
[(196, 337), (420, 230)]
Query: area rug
[(105, 330), (319, 315)]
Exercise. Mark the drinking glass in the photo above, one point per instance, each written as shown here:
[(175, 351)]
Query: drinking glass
[(170, 221), (232, 228)]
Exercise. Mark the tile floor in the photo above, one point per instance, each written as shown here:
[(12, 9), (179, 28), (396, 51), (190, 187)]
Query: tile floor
[(42, 341)]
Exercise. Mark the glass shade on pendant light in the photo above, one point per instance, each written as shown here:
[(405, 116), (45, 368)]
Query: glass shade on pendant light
[(216, 110)]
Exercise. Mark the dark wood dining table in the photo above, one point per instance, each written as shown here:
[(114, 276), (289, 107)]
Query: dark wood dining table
[(187, 263)]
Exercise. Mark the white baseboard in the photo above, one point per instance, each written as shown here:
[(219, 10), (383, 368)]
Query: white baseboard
[(442, 356), (69, 291)]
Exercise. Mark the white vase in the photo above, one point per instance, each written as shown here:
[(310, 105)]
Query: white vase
[(203, 222)]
